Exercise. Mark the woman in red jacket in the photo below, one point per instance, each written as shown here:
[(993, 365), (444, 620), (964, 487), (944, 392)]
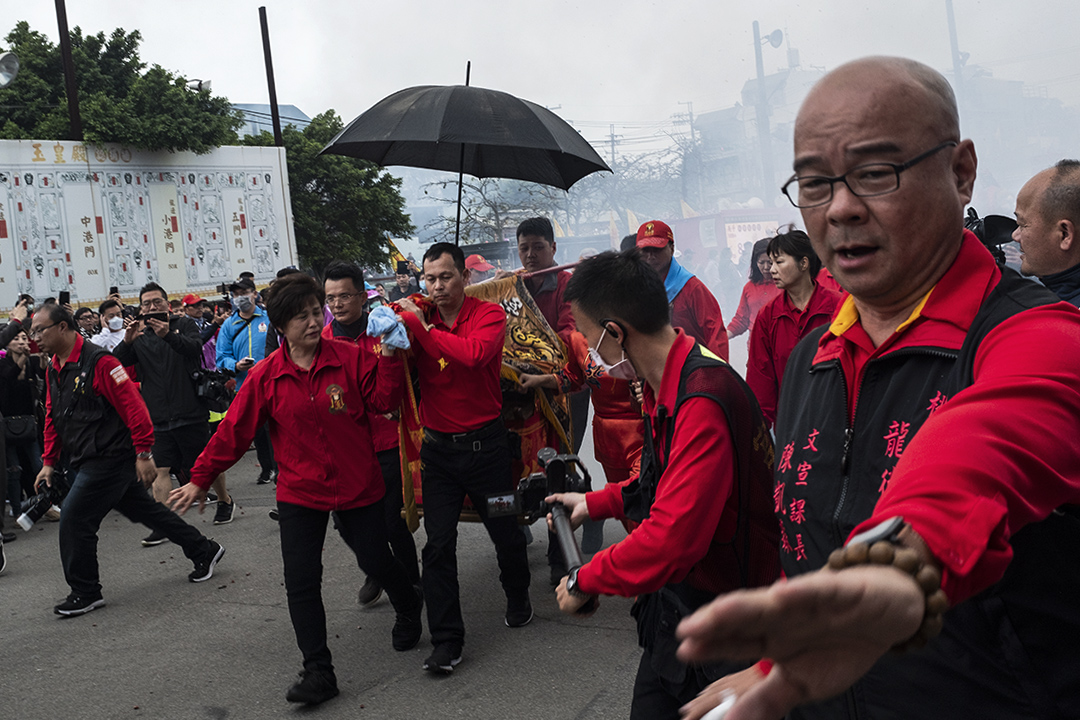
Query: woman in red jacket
[(315, 394), (757, 292), (788, 318)]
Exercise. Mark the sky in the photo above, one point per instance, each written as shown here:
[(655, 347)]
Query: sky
[(632, 63)]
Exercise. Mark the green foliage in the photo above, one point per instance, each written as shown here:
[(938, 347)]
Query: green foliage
[(118, 101), (343, 208)]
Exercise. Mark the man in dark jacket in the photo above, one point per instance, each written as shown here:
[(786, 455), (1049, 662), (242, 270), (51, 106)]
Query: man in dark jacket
[(94, 412), (925, 442), (14, 326), (1047, 217), (165, 353)]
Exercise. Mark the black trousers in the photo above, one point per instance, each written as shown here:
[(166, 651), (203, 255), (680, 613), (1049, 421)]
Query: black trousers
[(264, 451), (401, 540), (303, 533), (98, 488), (450, 472)]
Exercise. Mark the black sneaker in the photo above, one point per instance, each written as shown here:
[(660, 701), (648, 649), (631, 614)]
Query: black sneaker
[(263, 479), (204, 568), (313, 687), (75, 605), (273, 514), (370, 592), (211, 496), (519, 611), (154, 538), (443, 658), (408, 627), (225, 511), (3, 557)]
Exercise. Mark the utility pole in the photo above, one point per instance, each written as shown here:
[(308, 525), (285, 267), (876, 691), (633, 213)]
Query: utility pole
[(768, 175), (275, 117), (694, 151), (74, 118), (613, 136), (957, 61)]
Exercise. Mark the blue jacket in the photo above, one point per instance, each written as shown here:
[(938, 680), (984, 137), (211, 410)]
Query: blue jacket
[(240, 338)]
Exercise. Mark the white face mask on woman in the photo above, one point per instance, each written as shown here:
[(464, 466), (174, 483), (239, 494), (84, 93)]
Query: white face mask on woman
[(622, 370)]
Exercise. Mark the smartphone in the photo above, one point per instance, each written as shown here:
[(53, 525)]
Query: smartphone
[(163, 317), (114, 290), (65, 298)]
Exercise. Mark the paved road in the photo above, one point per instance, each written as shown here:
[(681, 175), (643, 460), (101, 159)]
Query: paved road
[(166, 648)]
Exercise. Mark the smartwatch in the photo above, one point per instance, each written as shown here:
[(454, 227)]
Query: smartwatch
[(572, 585)]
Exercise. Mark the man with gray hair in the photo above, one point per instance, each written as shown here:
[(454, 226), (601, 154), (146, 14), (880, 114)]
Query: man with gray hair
[(1047, 219), (927, 472)]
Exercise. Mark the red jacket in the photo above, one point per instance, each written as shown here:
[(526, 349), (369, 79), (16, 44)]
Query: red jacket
[(754, 297), (459, 366), (696, 311), (549, 298), (691, 506), (998, 455), (112, 382), (384, 432), (617, 424), (779, 328), (318, 424)]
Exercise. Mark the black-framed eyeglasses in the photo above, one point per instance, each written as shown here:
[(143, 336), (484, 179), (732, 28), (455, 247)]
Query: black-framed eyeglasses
[(37, 333), (868, 180)]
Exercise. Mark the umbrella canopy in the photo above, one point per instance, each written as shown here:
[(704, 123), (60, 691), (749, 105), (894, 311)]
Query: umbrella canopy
[(485, 133)]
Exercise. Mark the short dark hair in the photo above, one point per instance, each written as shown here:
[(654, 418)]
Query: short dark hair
[(761, 247), (380, 285), (795, 243), (246, 274), (339, 270), (153, 287), (57, 314), (620, 285), (109, 304), (439, 249), (81, 311), (537, 226), (629, 242), (287, 270), (1061, 200), (288, 296)]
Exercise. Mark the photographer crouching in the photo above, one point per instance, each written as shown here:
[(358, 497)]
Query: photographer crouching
[(704, 495)]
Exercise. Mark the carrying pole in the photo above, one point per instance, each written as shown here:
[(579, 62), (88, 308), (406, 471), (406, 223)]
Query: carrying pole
[(461, 168)]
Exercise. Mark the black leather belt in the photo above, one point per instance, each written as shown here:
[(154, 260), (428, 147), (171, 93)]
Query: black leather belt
[(475, 438)]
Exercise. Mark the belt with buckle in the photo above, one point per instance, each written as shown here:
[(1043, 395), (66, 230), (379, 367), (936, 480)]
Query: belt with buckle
[(475, 438)]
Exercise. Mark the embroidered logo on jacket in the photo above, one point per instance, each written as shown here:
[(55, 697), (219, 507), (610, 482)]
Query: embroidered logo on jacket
[(337, 399)]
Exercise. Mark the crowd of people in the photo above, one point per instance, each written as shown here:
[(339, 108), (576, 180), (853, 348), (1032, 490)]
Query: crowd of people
[(889, 476)]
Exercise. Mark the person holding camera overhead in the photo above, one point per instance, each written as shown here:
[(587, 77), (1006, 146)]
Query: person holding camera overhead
[(94, 411), (165, 350), (240, 344)]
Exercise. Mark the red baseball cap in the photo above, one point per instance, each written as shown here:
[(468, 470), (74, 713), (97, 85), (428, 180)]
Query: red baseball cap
[(191, 299), (654, 234), (477, 262)]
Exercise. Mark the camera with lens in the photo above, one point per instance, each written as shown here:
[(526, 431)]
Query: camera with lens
[(211, 386), (993, 231), (561, 474), (37, 506)]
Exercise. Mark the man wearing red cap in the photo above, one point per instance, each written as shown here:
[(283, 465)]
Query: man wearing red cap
[(693, 307), (478, 268)]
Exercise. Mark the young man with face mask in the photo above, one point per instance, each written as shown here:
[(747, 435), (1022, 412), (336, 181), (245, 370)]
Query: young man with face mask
[(112, 325), (703, 497), (240, 344)]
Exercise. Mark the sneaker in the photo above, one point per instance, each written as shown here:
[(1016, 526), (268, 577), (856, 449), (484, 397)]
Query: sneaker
[(204, 569), (211, 496), (154, 538), (267, 476), (273, 514), (75, 605), (443, 658), (408, 627), (519, 611), (3, 557), (8, 536), (313, 687), (225, 512), (370, 592)]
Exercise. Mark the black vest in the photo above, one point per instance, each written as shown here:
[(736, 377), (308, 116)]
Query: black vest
[(749, 557), (1009, 652), (88, 426)]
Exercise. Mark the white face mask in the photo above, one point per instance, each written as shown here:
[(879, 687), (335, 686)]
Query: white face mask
[(622, 370), (116, 323)]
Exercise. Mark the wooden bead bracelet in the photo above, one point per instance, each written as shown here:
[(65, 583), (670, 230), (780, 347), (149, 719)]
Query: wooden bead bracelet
[(882, 545)]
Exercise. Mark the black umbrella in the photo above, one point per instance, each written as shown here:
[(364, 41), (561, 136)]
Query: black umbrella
[(463, 129)]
